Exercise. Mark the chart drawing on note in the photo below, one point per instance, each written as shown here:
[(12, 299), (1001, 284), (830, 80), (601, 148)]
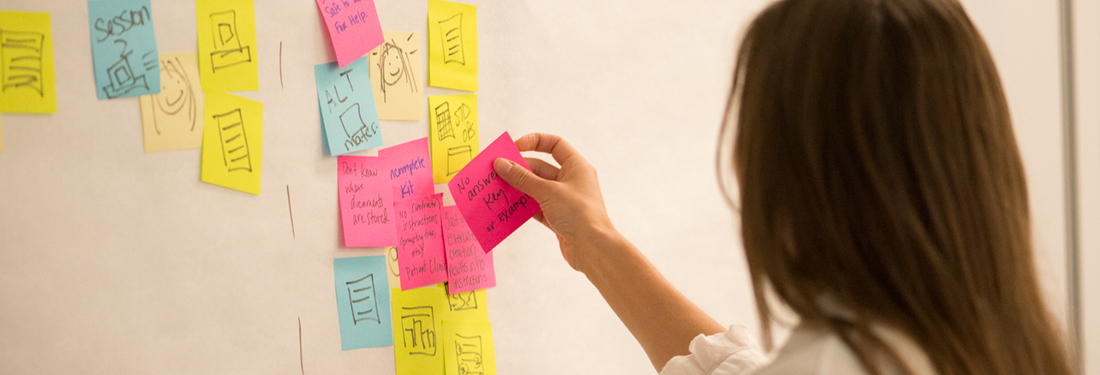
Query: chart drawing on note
[(26, 63)]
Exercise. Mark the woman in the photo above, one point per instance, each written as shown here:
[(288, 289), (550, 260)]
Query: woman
[(882, 199)]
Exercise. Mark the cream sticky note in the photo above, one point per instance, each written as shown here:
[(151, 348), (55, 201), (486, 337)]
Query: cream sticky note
[(353, 27), (227, 45), (418, 316), (468, 266), (124, 48), (468, 348), (453, 133), (397, 77), (393, 270), (172, 119), (452, 45), (26, 63), (232, 142)]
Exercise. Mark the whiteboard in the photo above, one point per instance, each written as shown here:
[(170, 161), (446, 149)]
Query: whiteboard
[(116, 261)]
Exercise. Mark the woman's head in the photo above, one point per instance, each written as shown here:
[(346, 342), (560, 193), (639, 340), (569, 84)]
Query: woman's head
[(877, 165)]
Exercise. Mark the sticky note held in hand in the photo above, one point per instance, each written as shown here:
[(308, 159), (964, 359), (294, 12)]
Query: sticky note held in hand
[(492, 208)]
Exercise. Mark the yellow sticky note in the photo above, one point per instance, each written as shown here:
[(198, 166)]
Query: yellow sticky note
[(452, 45), (453, 134), (172, 119), (232, 142), (468, 348), (26, 51), (418, 316), (227, 45), (396, 76)]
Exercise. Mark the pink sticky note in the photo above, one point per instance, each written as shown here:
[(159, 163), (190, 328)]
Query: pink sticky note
[(468, 267), (492, 208), (411, 173), (353, 27), (366, 201), (420, 251)]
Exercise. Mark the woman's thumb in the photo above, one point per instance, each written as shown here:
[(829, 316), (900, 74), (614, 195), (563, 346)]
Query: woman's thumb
[(520, 178)]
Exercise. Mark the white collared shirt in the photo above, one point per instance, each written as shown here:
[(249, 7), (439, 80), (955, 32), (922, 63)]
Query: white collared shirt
[(809, 351)]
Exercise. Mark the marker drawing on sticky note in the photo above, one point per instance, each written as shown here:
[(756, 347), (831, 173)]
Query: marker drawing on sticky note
[(362, 302), (26, 63), (124, 48), (347, 107), (397, 78), (420, 252), (411, 174), (492, 208), (366, 201), (452, 129), (227, 45), (468, 348), (232, 142), (416, 322), (452, 50), (468, 266), (352, 26), (172, 119)]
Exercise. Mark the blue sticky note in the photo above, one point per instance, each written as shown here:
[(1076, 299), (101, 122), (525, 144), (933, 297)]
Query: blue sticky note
[(363, 302), (347, 107), (124, 48)]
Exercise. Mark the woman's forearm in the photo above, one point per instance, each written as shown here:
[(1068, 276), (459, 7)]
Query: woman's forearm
[(662, 320)]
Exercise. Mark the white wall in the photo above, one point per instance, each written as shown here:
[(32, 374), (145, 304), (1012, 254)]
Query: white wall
[(113, 261)]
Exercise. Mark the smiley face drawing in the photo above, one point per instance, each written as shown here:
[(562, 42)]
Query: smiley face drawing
[(176, 97), (394, 67)]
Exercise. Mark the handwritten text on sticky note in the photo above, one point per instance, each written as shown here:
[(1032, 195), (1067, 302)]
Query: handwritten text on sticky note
[(366, 202), (420, 250), (27, 71), (347, 107), (411, 173), (362, 302), (124, 48), (492, 208), (468, 266), (352, 26)]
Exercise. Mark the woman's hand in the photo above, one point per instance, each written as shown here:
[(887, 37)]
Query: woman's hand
[(572, 205)]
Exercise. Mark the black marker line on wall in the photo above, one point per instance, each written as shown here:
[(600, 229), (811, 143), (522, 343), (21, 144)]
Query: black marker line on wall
[(281, 64), (291, 209), (300, 361)]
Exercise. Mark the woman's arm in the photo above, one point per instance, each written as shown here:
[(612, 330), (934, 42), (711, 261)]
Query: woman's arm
[(662, 320)]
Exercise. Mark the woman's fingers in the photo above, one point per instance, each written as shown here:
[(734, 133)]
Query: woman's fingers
[(543, 169), (551, 144)]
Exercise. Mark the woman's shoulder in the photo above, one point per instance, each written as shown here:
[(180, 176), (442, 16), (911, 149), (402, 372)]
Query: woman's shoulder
[(810, 350)]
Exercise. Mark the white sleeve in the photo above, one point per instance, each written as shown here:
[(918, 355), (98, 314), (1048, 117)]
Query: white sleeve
[(733, 352)]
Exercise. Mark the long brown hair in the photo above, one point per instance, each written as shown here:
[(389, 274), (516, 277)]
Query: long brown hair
[(877, 166)]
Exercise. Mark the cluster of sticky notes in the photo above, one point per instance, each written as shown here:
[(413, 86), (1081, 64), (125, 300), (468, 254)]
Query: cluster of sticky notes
[(27, 66), (124, 48), (437, 333), (493, 208)]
